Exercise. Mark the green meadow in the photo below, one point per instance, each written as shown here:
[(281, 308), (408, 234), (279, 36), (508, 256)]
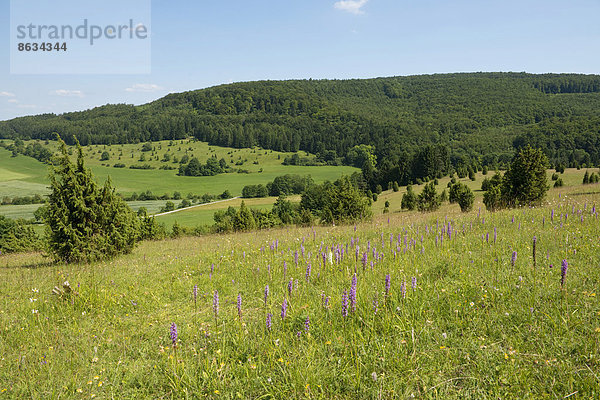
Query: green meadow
[(473, 309), (25, 176)]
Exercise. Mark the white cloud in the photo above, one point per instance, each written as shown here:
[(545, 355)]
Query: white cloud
[(67, 93), (351, 6), (7, 94), (27, 106), (13, 100), (144, 87)]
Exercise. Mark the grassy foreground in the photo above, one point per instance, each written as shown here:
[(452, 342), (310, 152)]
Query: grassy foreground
[(467, 314)]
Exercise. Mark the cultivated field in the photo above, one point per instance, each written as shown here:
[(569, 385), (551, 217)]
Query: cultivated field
[(477, 305)]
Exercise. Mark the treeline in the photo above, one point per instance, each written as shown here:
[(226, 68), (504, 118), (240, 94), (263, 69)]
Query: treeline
[(22, 200), (210, 168), (35, 150), (342, 201), (196, 198), (476, 117), (285, 185)]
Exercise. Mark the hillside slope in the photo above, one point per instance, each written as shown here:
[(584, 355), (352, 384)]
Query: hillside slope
[(476, 116)]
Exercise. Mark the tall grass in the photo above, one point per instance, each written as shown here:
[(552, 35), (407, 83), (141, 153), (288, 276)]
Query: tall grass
[(469, 324)]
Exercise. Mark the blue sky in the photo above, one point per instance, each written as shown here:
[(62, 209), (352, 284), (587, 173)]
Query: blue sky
[(196, 44)]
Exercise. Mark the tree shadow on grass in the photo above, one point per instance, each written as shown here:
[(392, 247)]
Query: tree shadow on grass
[(26, 261)]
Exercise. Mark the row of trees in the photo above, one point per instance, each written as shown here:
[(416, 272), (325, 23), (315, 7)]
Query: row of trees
[(429, 200), (196, 168), (523, 184), (284, 185), (336, 202)]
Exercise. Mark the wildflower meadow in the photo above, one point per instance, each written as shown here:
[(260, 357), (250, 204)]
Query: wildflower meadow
[(439, 305)]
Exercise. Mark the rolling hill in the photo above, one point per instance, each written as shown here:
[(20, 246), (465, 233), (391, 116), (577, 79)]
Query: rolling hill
[(478, 117)]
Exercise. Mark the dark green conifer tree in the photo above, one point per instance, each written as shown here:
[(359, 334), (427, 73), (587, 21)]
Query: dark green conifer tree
[(85, 223)]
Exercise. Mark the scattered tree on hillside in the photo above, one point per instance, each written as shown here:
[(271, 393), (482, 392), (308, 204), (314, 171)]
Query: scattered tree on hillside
[(85, 222), (428, 200)]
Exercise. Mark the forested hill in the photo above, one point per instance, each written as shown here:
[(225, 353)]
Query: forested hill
[(476, 118)]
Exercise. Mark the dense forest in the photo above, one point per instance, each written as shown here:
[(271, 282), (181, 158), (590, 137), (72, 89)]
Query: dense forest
[(418, 126)]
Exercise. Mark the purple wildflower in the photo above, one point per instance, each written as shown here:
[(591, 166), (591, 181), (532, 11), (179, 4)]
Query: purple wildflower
[(173, 333), (216, 303), (284, 308), (513, 260), (239, 305), (268, 321), (563, 272), (403, 289), (414, 283), (388, 285), (266, 294), (307, 324), (364, 260), (352, 296), (345, 304), (290, 286), (195, 293), (307, 272)]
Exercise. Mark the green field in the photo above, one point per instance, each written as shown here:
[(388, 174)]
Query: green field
[(480, 321), (25, 176), (31, 175), (21, 176)]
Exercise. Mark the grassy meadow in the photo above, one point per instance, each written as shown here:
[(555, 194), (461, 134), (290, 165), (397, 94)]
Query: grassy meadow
[(467, 312), (25, 176), (260, 166)]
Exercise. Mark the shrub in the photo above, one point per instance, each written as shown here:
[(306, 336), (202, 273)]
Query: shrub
[(471, 174), (492, 198), (586, 178), (464, 197), (17, 236), (559, 183), (409, 199), (84, 222), (444, 196), (244, 220), (284, 210), (339, 202), (169, 206), (428, 200), (525, 182), (253, 191)]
